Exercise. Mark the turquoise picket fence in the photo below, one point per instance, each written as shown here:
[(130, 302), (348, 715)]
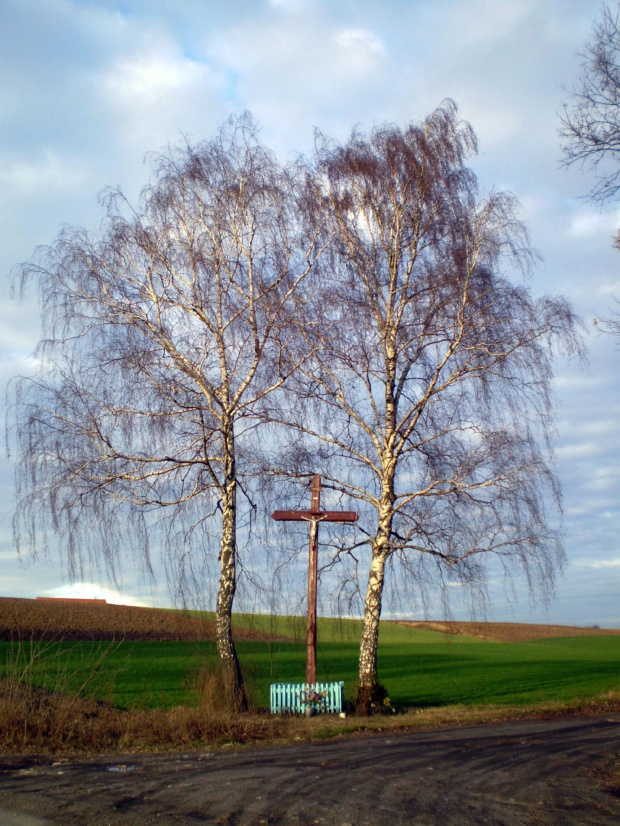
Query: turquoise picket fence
[(295, 698)]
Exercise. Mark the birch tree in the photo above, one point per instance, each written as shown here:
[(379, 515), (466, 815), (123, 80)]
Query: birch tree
[(164, 334), (428, 395)]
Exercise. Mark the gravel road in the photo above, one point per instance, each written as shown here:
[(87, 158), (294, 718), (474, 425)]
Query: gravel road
[(563, 771)]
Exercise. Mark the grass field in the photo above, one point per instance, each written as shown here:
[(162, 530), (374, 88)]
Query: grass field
[(420, 668)]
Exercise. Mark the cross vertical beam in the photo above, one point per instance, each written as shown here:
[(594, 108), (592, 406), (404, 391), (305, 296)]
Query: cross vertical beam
[(313, 567), (313, 516)]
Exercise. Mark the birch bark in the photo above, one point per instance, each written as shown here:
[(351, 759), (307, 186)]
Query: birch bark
[(231, 670), (368, 680)]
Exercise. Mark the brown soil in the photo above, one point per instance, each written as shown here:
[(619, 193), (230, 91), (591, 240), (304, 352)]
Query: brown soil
[(73, 599), (72, 620), (508, 631)]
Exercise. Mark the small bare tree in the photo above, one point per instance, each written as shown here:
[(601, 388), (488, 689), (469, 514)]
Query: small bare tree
[(163, 336), (591, 121), (429, 386)]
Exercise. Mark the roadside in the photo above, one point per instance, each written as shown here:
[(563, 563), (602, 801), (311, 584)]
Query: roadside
[(40, 722)]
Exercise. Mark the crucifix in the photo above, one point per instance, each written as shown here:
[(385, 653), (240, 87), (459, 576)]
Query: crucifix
[(313, 516)]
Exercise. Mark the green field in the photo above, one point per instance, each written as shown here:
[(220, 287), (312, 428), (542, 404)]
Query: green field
[(419, 668)]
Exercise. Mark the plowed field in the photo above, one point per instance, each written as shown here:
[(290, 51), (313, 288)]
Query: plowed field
[(34, 619), (509, 631)]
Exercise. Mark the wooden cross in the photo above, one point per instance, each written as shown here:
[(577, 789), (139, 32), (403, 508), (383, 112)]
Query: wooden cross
[(313, 516)]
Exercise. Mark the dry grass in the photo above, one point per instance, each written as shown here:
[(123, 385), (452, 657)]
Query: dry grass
[(33, 720), (508, 631), (33, 619)]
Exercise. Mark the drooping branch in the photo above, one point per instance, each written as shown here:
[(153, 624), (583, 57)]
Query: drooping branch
[(591, 119)]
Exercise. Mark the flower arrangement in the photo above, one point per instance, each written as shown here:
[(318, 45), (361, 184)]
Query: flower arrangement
[(313, 699)]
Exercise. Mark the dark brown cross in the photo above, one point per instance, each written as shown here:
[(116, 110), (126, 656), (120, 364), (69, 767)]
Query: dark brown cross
[(313, 516)]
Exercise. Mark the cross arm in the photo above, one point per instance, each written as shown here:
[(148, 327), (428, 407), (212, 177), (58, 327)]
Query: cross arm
[(320, 516)]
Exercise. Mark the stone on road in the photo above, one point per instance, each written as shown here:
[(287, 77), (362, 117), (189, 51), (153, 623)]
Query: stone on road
[(20, 819)]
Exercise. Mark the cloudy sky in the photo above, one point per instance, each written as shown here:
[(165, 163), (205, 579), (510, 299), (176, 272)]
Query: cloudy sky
[(87, 88)]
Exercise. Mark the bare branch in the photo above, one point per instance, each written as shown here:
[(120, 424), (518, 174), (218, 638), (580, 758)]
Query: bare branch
[(591, 120)]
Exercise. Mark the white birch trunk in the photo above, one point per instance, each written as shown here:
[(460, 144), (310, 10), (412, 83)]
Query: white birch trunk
[(370, 634), (231, 671), (368, 679)]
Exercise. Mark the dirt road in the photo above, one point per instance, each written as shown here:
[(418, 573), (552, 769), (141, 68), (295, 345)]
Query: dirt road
[(545, 772)]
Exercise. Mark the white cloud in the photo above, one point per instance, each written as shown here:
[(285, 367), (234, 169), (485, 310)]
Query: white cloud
[(607, 563), (496, 123), (290, 5), (579, 451), (93, 590), (358, 41), (576, 381), (601, 427), (50, 172), (17, 340), (151, 77), (603, 478), (480, 22), (589, 223), (156, 94), (577, 511), (295, 72)]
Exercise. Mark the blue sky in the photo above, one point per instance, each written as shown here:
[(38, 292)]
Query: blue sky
[(88, 88)]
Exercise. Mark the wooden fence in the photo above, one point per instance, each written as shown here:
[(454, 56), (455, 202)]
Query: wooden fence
[(296, 698)]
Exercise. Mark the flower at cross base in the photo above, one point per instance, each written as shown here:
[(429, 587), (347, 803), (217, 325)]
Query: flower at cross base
[(313, 698)]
